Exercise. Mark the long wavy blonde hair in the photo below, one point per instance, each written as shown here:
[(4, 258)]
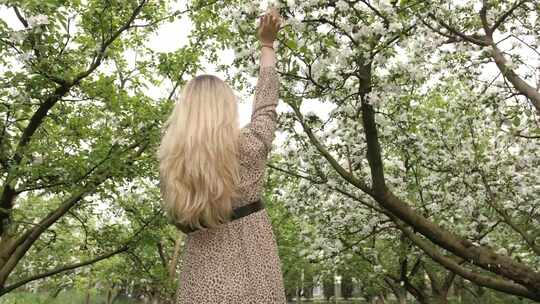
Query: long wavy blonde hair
[(198, 162)]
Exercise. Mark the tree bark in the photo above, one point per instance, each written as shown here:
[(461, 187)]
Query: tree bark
[(176, 254), (87, 299)]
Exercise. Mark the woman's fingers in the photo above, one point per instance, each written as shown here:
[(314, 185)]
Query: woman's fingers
[(277, 21), (270, 20)]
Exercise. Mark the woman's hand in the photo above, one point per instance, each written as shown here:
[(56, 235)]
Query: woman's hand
[(269, 26)]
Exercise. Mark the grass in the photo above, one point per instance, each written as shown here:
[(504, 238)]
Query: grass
[(74, 297), (64, 297)]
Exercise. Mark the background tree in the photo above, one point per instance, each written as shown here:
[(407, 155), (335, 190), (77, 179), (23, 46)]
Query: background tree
[(78, 131), (347, 286), (328, 283)]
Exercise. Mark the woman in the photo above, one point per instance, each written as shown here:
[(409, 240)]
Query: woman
[(208, 168)]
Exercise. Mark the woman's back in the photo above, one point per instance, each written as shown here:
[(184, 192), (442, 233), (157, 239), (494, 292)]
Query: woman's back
[(238, 262)]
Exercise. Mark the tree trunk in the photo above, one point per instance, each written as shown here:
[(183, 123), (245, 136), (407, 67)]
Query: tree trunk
[(109, 296), (56, 292), (399, 291), (176, 254), (401, 296), (87, 301), (116, 296), (435, 299), (110, 291)]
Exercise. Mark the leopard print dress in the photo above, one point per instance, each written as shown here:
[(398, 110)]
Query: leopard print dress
[(238, 262)]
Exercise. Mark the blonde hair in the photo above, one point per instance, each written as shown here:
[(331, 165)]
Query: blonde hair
[(198, 164)]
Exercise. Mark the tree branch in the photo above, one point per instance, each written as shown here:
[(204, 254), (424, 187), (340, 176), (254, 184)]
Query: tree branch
[(480, 279), (8, 193), (519, 84), (504, 16), (20, 17), (61, 269), (475, 38), (105, 44), (333, 162)]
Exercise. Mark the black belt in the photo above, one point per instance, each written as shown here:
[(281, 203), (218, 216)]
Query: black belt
[(236, 214)]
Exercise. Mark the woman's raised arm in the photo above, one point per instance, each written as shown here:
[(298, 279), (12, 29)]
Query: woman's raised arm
[(264, 117)]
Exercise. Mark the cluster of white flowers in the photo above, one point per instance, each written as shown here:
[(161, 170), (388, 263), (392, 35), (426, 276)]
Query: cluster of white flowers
[(13, 92), (378, 27), (296, 24), (273, 3), (241, 53), (17, 36), (331, 135), (363, 31), (375, 99), (510, 63), (37, 20), (316, 69), (349, 109), (342, 59), (385, 7), (25, 57), (236, 14), (342, 5), (249, 7), (120, 141), (38, 158), (395, 26), (289, 150)]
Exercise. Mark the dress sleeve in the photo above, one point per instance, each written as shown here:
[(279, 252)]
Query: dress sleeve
[(264, 116)]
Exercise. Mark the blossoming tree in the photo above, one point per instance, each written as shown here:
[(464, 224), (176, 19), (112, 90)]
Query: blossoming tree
[(78, 132), (427, 121)]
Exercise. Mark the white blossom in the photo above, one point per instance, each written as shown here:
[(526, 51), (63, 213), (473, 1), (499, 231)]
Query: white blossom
[(374, 99), (363, 31), (242, 53), (17, 36), (38, 159), (395, 26), (37, 20), (378, 27), (296, 24), (342, 5), (384, 6), (25, 57)]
